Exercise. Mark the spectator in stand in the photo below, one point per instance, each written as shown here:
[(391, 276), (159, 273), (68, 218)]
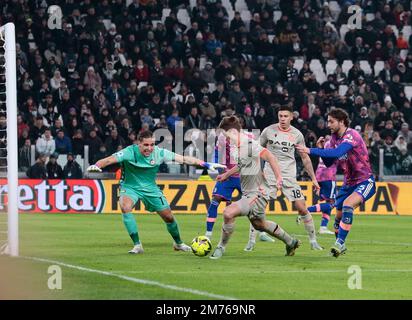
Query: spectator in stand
[(54, 170), (72, 169), (63, 143), (45, 144), (25, 156), (38, 170)]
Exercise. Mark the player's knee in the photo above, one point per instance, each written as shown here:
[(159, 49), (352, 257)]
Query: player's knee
[(168, 218), (217, 199), (258, 224), (227, 213), (126, 208), (303, 211)]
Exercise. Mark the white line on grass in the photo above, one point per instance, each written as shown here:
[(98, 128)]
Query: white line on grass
[(136, 280), (369, 241), (276, 271)]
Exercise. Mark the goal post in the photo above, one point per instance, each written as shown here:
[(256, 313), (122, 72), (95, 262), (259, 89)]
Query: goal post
[(8, 95)]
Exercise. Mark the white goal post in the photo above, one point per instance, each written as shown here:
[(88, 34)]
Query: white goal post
[(8, 96)]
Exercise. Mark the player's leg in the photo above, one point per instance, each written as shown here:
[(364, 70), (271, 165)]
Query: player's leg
[(276, 230), (361, 193), (308, 223), (229, 215), (263, 236), (326, 209), (221, 192), (126, 204), (173, 229)]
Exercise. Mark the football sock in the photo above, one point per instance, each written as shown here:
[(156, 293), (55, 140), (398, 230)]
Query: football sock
[(173, 229), (345, 224), (211, 215), (309, 226), (131, 227), (326, 209), (275, 230), (227, 230), (252, 234), (336, 226)]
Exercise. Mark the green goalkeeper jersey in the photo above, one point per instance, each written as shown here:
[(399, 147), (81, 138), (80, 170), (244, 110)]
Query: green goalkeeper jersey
[(139, 172)]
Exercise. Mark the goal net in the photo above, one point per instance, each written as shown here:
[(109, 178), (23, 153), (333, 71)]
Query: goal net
[(8, 143)]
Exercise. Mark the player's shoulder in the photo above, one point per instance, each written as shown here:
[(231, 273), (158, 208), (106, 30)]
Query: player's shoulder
[(271, 127), (351, 136)]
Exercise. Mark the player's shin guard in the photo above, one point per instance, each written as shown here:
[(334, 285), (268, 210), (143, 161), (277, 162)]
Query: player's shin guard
[(345, 224), (309, 226), (211, 215), (275, 230), (227, 230), (173, 229), (131, 227)]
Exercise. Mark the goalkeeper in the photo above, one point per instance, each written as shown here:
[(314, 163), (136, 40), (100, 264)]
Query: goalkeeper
[(140, 164)]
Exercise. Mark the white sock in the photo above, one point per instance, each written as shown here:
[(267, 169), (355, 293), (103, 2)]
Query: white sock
[(252, 234), (309, 226)]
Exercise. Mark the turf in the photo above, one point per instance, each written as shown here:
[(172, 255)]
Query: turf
[(379, 245)]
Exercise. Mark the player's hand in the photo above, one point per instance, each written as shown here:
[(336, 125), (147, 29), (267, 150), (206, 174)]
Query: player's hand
[(279, 183), (316, 187), (93, 168), (320, 143), (302, 148), (221, 178), (212, 166)]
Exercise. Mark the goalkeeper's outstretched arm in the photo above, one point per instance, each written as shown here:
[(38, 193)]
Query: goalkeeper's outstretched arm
[(191, 161), (99, 165)]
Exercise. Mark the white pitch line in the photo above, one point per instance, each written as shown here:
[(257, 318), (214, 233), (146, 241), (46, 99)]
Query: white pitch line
[(368, 241), (278, 271), (135, 280)]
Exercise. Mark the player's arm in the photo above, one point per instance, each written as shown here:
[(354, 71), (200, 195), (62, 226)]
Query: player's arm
[(227, 174), (102, 163), (327, 154), (269, 157), (191, 161), (263, 139)]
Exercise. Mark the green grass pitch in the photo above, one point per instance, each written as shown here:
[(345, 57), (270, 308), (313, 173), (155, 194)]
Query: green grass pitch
[(92, 253)]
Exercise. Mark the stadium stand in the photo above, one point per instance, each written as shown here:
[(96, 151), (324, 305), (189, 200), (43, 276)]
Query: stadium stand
[(114, 60)]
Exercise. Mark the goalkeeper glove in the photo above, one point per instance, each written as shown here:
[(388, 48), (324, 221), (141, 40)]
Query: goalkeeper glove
[(93, 168), (212, 166)]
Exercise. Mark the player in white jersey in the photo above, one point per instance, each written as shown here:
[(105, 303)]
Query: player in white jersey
[(255, 188), (280, 139)]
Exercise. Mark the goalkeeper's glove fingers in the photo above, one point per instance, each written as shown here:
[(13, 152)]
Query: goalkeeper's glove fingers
[(93, 168)]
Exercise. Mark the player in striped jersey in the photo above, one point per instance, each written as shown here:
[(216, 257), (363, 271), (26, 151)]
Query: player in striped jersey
[(348, 149)]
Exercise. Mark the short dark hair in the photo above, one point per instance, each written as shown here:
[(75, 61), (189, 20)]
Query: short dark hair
[(340, 115), (231, 122), (285, 108), (145, 135)]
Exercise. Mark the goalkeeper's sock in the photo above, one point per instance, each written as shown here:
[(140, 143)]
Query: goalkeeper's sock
[(211, 215), (227, 230), (275, 230), (309, 226), (173, 229), (345, 224), (131, 227)]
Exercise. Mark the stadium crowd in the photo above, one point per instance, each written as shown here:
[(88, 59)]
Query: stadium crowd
[(114, 70)]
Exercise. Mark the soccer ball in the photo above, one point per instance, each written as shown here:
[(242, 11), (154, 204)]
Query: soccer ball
[(201, 246)]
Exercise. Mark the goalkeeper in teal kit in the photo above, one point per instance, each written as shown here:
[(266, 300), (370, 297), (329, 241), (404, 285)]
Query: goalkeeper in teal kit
[(140, 164)]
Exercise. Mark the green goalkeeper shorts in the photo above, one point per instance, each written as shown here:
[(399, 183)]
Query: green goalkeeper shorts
[(151, 203)]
